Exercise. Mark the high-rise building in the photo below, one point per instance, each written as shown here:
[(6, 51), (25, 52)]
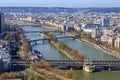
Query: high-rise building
[(1, 22), (1, 66), (106, 22)]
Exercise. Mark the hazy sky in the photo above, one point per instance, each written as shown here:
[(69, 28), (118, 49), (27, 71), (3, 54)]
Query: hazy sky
[(61, 3)]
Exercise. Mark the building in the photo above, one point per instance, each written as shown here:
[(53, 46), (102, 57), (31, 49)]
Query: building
[(111, 41), (104, 38), (92, 25), (77, 27), (83, 26), (107, 32), (70, 28), (62, 27), (87, 30), (1, 22), (5, 57), (1, 66), (95, 33), (117, 42), (29, 18), (105, 22)]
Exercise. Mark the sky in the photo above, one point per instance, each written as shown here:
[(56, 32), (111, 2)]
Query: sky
[(60, 3)]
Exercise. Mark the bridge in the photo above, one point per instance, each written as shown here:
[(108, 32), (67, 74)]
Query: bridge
[(22, 25), (73, 37), (39, 31), (43, 31), (88, 66), (75, 63), (48, 39), (35, 41)]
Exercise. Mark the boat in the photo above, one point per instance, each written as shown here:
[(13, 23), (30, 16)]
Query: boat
[(36, 51), (39, 55)]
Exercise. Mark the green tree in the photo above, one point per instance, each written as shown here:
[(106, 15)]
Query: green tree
[(37, 77), (30, 77)]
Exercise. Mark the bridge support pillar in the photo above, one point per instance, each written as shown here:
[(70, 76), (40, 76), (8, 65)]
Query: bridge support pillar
[(49, 40), (73, 38), (36, 43), (108, 68), (89, 68), (43, 41), (63, 33), (71, 68)]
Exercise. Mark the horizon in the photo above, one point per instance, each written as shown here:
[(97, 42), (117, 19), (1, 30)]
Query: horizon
[(60, 3), (51, 7)]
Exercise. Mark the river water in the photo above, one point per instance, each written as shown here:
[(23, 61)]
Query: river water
[(51, 53)]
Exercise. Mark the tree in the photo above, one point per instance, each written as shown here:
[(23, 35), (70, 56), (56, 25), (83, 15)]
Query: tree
[(37, 77), (44, 64), (30, 77), (82, 34)]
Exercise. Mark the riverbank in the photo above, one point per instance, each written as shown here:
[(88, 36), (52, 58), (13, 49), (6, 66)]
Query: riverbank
[(64, 52), (101, 48)]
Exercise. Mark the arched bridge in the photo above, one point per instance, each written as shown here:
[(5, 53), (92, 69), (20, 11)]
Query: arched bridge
[(48, 39), (35, 41)]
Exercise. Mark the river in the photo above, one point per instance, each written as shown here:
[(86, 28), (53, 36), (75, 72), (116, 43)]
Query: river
[(51, 53)]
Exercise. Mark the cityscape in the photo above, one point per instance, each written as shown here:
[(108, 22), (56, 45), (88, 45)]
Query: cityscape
[(60, 40)]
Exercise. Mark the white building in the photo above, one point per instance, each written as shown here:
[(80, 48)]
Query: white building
[(104, 38), (87, 30), (95, 33), (29, 18), (111, 41), (77, 27), (117, 42), (107, 32), (83, 26)]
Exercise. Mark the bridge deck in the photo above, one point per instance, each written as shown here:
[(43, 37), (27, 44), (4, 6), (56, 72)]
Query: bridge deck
[(56, 38), (38, 40), (39, 31), (74, 63), (81, 63)]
